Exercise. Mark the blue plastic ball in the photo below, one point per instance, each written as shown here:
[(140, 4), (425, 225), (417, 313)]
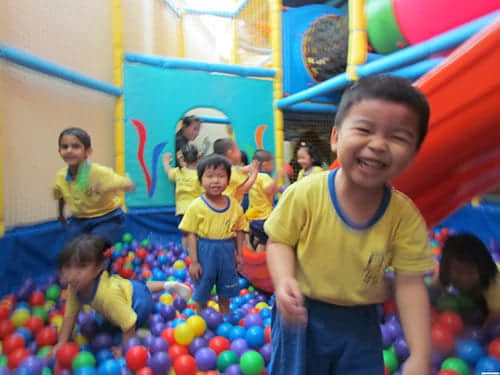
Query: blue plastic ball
[(255, 336), (224, 330), (109, 367), (470, 351)]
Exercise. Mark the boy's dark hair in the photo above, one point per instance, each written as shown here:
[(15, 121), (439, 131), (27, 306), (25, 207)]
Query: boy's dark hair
[(190, 153), (311, 151), (467, 248), (81, 134), (244, 158), (262, 155), (83, 250), (389, 88), (223, 145), (214, 161), (189, 120)]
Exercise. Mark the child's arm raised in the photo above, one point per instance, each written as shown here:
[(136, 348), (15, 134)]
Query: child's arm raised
[(289, 298), (273, 188), (195, 267), (414, 311), (253, 171)]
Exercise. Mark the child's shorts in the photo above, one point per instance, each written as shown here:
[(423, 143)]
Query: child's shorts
[(257, 234), (337, 340), (109, 226), (218, 267)]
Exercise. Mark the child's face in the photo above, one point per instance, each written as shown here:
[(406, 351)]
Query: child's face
[(303, 158), (267, 166), (80, 278), (192, 131), (214, 180), (464, 276), (234, 154), (73, 151), (376, 141)]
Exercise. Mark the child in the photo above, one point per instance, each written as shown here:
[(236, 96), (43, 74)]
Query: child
[(124, 303), (333, 235), (467, 265), (308, 159), (187, 186), (242, 178), (212, 223), (89, 189), (188, 132), (261, 198)]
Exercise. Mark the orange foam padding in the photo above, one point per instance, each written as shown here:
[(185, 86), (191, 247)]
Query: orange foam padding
[(255, 270)]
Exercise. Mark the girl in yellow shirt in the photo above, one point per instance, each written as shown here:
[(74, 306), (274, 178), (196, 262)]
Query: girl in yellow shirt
[(308, 159)]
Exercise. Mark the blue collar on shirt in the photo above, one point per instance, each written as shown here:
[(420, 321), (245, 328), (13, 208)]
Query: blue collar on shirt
[(68, 175), (380, 211), (216, 209), (87, 301)]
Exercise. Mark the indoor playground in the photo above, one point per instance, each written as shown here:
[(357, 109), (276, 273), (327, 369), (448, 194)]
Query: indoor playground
[(268, 74)]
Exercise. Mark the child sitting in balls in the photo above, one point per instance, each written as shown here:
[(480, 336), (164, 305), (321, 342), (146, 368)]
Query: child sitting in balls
[(123, 303), (214, 225), (333, 235), (467, 267)]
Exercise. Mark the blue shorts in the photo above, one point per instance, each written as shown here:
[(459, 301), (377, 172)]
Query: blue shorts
[(109, 226), (142, 302), (218, 267), (336, 340)]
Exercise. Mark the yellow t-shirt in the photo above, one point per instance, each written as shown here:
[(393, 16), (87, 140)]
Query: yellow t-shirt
[(112, 299), (208, 222), (335, 261), (259, 201), (187, 187), (238, 178), (492, 295), (100, 196), (315, 169)]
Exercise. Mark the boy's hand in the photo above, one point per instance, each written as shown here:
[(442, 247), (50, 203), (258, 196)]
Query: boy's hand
[(167, 158), (290, 301), (55, 349), (195, 271)]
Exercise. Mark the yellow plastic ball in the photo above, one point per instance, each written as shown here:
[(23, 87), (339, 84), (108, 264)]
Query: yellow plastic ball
[(49, 304), (262, 305), (214, 305), (197, 324), (131, 255), (80, 339), (86, 308), (57, 321), (19, 317), (166, 299), (179, 264), (183, 334)]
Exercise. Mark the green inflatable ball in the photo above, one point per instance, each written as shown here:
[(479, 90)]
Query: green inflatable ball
[(83, 359), (3, 361), (448, 303), (53, 293), (456, 364), (144, 243), (226, 359), (251, 363), (40, 311), (127, 238), (391, 360), (44, 351), (46, 371)]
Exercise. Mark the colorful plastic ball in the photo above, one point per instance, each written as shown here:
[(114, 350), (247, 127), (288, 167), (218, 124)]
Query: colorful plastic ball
[(103, 355), (239, 346), (183, 334), (197, 344), (237, 332), (251, 363), (85, 370), (109, 367), (213, 319), (390, 360), (4, 312), (401, 348), (136, 357), (158, 344), (219, 344), (224, 330), (448, 372), (179, 265), (19, 317), (176, 350), (206, 359), (442, 339), (53, 292), (6, 328), (233, 370), (253, 320), (66, 354), (46, 336), (13, 342), (37, 298), (197, 324), (470, 351), (456, 364), (34, 324), (43, 352), (266, 352), (83, 359), (448, 303), (226, 359), (127, 237), (494, 348), (185, 365), (39, 311), (487, 365), (255, 336), (451, 320), (32, 365), (16, 357), (160, 363)]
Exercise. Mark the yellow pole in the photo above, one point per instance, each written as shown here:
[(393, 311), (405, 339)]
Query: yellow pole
[(275, 8), (2, 223), (234, 49), (180, 35), (358, 42), (117, 45)]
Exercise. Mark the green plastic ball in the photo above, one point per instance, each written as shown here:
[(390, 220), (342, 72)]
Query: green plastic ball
[(53, 292), (127, 238), (391, 360), (226, 359), (3, 361), (251, 363), (83, 359), (251, 288), (465, 302), (118, 246), (144, 243), (455, 364), (40, 311), (171, 278), (44, 351), (448, 303), (46, 371)]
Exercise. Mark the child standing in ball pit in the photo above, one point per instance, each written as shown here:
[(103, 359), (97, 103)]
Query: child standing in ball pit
[(123, 303), (333, 235), (467, 266), (88, 189), (308, 159), (214, 225)]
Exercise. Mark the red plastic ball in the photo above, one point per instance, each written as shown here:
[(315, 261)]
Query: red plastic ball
[(16, 357), (46, 336), (443, 340), (66, 354), (176, 351), (267, 331), (37, 298), (451, 320), (136, 357), (243, 292), (34, 324), (144, 371), (494, 348), (141, 253), (185, 365), (168, 334), (12, 342), (219, 344), (448, 372), (4, 312), (390, 307), (6, 328), (386, 371)]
